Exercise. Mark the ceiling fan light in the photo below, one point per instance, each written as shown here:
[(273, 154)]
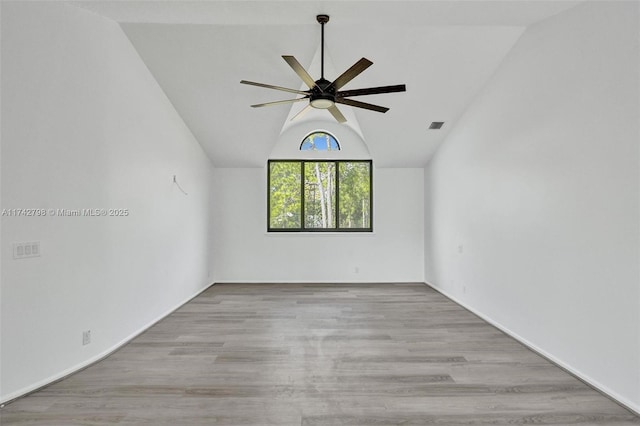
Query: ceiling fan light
[(322, 103)]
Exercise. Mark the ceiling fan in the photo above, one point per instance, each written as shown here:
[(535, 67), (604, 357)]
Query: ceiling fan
[(325, 94)]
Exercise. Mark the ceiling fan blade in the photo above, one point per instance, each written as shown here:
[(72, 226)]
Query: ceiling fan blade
[(302, 112), (373, 90), (359, 104), (269, 86), (337, 114), (286, 101), (302, 73), (351, 73)]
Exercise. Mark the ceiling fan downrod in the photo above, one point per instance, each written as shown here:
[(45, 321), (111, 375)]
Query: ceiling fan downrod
[(322, 19)]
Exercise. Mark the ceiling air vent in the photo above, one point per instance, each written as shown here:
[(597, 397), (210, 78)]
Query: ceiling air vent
[(435, 125)]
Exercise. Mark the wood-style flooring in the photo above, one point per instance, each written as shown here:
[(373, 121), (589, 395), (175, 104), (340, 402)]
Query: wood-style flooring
[(320, 354)]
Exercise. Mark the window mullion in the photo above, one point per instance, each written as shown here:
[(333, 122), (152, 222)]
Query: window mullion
[(268, 195), (302, 194), (370, 195), (337, 203)]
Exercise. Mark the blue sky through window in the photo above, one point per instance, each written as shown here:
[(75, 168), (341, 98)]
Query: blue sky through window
[(320, 141)]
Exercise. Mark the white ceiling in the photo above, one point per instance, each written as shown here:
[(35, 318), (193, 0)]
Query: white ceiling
[(444, 51)]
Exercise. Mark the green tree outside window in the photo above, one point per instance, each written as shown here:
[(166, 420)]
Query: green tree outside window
[(320, 195)]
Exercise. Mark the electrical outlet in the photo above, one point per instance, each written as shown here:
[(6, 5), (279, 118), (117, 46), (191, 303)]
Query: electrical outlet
[(24, 250), (86, 337)]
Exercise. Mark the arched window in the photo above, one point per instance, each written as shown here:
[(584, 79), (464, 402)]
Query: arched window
[(320, 194), (320, 141)]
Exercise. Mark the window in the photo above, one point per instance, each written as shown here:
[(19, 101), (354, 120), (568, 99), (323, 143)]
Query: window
[(316, 196), (319, 141)]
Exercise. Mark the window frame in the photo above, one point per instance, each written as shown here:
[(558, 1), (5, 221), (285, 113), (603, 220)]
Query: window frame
[(337, 203)]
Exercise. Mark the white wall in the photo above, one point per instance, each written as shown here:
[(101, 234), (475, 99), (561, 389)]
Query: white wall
[(84, 125), (244, 252), (532, 216)]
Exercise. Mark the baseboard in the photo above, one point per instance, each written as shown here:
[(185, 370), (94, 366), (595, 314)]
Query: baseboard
[(316, 282), (7, 399), (619, 399)]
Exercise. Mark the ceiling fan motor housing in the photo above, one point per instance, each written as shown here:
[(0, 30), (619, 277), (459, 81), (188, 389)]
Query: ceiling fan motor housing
[(323, 95)]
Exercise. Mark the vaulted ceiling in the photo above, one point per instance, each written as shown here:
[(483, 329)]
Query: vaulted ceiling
[(444, 51)]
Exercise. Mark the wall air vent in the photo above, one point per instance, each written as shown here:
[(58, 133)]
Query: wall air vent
[(435, 125)]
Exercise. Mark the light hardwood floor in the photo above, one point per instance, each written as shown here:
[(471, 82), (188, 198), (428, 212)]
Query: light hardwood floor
[(320, 354)]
